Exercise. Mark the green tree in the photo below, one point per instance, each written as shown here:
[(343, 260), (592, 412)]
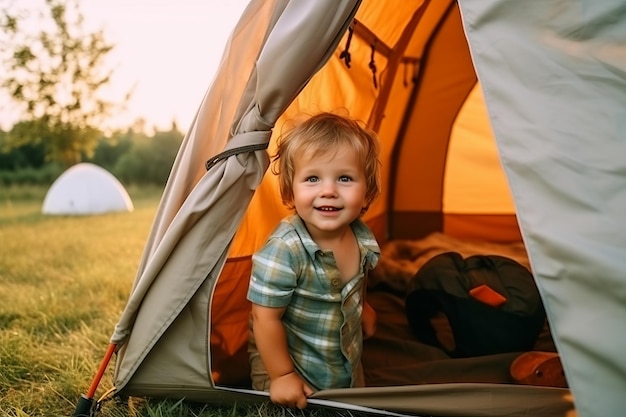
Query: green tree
[(16, 157), (150, 159), (56, 75), (110, 149)]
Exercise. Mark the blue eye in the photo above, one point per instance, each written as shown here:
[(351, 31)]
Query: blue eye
[(312, 179), (345, 178)]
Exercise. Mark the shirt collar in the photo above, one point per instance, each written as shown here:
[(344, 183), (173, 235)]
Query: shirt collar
[(364, 236)]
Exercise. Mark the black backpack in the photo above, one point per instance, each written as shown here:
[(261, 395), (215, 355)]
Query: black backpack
[(491, 304)]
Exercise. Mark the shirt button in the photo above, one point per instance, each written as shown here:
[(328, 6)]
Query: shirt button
[(334, 281)]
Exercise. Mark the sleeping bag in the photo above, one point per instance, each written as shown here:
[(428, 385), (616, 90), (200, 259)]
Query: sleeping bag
[(490, 304)]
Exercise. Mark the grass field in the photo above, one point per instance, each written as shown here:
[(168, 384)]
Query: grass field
[(64, 281)]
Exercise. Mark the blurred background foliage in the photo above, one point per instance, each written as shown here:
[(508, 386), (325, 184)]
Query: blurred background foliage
[(135, 158), (54, 76)]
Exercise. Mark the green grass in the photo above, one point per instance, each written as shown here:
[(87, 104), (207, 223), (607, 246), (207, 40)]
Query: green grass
[(64, 281)]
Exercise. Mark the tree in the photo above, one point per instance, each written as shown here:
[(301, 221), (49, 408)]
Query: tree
[(56, 76), (28, 155), (150, 159)]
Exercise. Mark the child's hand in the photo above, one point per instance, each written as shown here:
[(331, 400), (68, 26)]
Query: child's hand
[(290, 390), (368, 321)]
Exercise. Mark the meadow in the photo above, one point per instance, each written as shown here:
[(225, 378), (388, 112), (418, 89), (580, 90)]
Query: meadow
[(64, 281)]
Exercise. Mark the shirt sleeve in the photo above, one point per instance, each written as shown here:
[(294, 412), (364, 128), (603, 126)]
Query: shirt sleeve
[(274, 276)]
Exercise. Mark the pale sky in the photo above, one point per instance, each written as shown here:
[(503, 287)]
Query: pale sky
[(167, 50)]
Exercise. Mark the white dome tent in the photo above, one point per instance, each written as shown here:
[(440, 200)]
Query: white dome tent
[(86, 189)]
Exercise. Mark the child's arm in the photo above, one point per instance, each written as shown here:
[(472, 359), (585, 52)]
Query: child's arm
[(286, 387)]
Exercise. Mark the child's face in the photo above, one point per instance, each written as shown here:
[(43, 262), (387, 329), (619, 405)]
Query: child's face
[(329, 191)]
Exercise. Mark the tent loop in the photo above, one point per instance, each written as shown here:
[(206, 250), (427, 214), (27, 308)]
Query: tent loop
[(345, 54), (404, 73), (412, 62), (235, 151), (107, 396), (372, 63)]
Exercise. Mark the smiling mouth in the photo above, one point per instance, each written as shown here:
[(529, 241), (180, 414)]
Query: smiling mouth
[(327, 208)]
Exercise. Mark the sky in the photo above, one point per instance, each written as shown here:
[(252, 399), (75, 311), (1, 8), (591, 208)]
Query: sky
[(166, 51)]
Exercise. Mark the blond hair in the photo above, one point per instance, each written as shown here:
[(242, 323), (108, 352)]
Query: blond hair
[(322, 134)]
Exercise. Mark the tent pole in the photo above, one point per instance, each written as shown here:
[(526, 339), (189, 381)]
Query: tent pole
[(84, 405)]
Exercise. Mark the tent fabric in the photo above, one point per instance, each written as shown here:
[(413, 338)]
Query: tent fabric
[(563, 147), (552, 76), (85, 189), (487, 189)]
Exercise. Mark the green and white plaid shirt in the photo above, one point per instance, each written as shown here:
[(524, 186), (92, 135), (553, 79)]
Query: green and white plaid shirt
[(323, 315)]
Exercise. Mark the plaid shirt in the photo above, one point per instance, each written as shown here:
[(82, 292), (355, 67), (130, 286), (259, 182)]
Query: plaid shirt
[(322, 318)]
